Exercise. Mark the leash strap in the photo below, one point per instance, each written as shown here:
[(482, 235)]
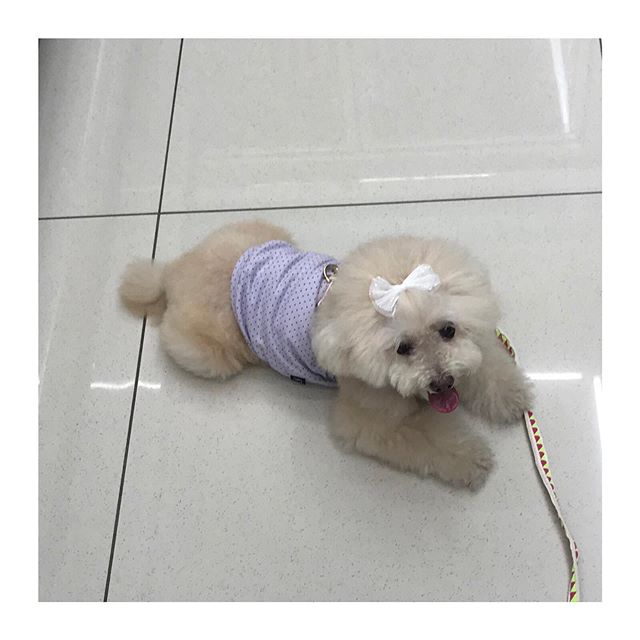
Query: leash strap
[(542, 464)]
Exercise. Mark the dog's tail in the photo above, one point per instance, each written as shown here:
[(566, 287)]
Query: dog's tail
[(142, 288)]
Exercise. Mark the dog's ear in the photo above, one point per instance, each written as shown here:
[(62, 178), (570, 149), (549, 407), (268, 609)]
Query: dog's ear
[(331, 348), (350, 350)]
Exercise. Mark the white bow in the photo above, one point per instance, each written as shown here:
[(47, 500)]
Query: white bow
[(384, 295)]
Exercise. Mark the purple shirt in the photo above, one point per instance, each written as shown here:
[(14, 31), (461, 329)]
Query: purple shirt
[(274, 292)]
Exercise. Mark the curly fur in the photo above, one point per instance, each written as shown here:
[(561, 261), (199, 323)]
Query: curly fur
[(380, 409)]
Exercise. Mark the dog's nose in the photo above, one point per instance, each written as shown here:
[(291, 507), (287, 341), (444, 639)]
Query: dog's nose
[(443, 383)]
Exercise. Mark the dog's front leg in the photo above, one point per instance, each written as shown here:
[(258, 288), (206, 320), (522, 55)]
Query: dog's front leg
[(498, 391), (409, 435)]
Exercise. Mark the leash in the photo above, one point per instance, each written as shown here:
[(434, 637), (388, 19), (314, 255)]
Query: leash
[(542, 464)]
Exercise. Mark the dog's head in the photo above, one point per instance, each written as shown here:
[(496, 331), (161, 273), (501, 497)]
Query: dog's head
[(433, 338)]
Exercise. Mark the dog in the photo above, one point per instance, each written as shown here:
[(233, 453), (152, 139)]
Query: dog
[(403, 326)]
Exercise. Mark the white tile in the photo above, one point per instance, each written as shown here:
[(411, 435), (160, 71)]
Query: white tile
[(88, 349), (103, 122), (294, 122), (235, 491)]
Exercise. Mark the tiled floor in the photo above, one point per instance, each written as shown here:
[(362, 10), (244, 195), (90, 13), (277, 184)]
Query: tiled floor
[(234, 491)]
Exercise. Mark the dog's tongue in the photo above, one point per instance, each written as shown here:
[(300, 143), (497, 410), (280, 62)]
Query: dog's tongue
[(445, 401)]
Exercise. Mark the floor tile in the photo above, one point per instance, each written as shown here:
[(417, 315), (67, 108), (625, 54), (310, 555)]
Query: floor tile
[(87, 360), (235, 491), (295, 122), (103, 123)]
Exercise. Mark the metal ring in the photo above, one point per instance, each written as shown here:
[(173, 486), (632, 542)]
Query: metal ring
[(329, 271)]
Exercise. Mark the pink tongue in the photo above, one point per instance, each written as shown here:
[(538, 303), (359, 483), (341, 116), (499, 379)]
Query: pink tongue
[(444, 402)]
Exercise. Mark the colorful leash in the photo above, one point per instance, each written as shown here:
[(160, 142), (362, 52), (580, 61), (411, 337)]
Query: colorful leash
[(540, 458)]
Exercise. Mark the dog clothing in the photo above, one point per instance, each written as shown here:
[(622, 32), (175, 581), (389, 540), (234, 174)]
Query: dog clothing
[(275, 289)]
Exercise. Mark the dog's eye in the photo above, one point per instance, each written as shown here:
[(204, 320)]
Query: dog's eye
[(447, 332), (404, 349)]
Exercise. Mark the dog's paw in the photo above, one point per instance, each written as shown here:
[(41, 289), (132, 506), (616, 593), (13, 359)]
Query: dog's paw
[(505, 399), (473, 471), (512, 399), (468, 465)]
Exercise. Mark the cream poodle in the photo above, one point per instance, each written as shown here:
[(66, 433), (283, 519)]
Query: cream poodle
[(403, 326)]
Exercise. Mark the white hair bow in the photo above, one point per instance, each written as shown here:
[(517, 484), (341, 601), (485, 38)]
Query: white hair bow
[(384, 295)]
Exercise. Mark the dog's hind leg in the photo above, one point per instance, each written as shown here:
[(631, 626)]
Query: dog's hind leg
[(198, 351)]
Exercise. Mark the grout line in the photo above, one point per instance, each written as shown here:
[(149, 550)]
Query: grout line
[(101, 215), (336, 205), (166, 153), (384, 203), (142, 333), (124, 461)]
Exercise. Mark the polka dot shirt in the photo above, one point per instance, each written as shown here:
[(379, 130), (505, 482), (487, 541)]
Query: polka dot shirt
[(274, 292)]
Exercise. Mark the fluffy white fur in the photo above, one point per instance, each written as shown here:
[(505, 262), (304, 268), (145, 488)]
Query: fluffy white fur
[(380, 409)]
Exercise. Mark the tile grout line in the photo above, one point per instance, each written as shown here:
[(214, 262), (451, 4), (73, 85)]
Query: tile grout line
[(142, 334), (338, 205), (166, 154), (93, 216)]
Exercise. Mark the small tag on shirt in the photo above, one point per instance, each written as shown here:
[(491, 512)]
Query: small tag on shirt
[(298, 380)]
